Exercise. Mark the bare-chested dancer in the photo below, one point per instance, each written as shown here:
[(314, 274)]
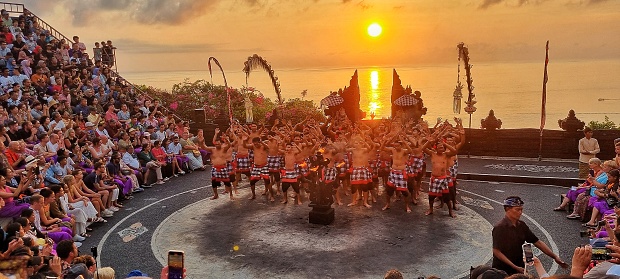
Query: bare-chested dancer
[(438, 186), (273, 160), (331, 171), (290, 173), (397, 179), (456, 139), (361, 178), (259, 168), (219, 170), (416, 164), (241, 156)]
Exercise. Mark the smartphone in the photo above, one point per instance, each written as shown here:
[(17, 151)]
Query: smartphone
[(600, 254), (175, 264), (528, 254), (592, 172)]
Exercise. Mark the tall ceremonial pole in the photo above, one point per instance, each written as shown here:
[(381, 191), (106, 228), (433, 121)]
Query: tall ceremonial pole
[(543, 112)]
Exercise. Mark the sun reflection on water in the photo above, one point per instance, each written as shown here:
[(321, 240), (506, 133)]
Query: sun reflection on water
[(374, 104)]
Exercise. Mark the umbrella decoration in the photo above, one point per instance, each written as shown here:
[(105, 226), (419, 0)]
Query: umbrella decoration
[(332, 100), (406, 100), (225, 85), (255, 62)]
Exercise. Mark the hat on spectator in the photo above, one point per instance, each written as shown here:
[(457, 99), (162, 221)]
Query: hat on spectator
[(89, 124), (132, 130), (147, 134), (135, 273), (11, 123), (31, 159), (513, 201), (53, 102), (487, 272)]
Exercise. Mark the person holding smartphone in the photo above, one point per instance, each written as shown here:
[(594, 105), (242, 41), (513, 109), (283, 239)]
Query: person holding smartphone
[(510, 234)]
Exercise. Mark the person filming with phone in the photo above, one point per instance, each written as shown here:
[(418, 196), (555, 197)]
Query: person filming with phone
[(510, 234)]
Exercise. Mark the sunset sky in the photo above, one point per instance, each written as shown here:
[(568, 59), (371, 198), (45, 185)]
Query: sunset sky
[(164, 35)]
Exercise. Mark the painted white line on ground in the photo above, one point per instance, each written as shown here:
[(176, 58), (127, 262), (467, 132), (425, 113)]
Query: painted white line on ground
[(107, 234), (157, 252), (554, 246)]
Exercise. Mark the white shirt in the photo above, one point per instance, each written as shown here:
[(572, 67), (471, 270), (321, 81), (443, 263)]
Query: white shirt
[(174, 148), (6, 81), (590, 146), (103, 133), (159, 135), (131, 161), (51, 147)]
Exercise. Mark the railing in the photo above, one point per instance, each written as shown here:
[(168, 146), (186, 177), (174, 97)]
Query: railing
[(18, 9)]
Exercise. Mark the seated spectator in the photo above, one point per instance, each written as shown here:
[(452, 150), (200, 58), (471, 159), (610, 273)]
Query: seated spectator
[(104, 273), (78, 190), (42, 148), (55, 232), (151, 163), (174, 148), (9, 195), (98, 150), (165, 159), (604, 199), (94, 183), (599, 179), (192, 152), (115, 171)]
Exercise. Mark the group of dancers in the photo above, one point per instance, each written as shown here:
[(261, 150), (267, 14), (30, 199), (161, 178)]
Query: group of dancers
[(360, 157)]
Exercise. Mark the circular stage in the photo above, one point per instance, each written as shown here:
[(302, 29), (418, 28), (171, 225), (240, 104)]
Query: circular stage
[(259, 239)]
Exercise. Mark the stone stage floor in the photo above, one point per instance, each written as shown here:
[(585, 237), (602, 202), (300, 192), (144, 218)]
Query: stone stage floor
[(259, 239)]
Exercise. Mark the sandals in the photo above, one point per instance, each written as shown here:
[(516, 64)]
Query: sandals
[(573, 216), (85, 235), (559, 208), (100, 220), (589, 226)]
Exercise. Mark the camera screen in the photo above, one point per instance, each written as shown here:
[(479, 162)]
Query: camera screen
[(600, 253), (175, 265)]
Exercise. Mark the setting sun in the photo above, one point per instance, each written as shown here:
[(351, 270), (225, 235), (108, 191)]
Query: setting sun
[(374, 30)]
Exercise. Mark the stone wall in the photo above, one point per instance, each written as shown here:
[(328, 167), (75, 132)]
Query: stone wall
[(525, 143), (500, 143)]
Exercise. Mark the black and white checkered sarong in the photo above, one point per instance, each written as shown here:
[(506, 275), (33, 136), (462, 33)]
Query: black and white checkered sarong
[(290, 175), (360, 175), (243, 163), (259, 172), (438, 186), (398, 179), (220, 173), (330, 174), (273, 163)]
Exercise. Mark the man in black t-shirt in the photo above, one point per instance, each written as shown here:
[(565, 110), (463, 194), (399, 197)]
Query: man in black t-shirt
[(508, 236), (12, 132)]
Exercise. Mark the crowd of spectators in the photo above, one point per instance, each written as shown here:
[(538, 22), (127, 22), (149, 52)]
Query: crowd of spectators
[(75, 143)]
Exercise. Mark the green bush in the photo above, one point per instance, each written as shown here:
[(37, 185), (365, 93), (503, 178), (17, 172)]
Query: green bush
[(187, 96), (605, 125)]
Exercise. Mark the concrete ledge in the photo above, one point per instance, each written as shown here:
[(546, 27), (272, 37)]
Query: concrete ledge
[(558, 181)]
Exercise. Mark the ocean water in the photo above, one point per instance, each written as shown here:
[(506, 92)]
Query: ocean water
[(512, 90)]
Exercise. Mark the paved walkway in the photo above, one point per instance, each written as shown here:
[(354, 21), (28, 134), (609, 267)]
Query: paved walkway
[(275, 240)]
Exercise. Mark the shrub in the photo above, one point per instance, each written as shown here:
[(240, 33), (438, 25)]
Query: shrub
[(187, 96), (605, 125)]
